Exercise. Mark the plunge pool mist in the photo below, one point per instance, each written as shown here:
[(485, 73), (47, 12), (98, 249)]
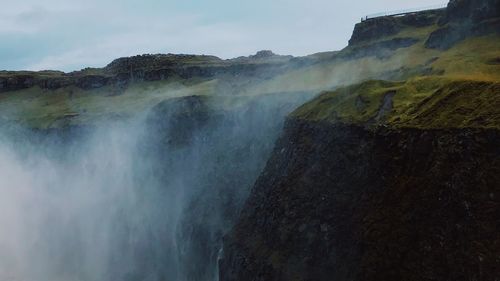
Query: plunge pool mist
[(145, 199)]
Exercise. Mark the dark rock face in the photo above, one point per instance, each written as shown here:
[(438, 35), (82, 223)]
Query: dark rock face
[(381, 50), (175, 122), (144, 62), (16, 83), (461, 19), (119, 73), (465, 18), (340, 202), (444, 38), (372, 29), (475, 10), (221, 153), (92, 82), (386, 26), (264, 54)]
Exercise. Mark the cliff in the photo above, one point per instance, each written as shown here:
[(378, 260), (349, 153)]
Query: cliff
[(375, 28), (465, 18), (129, 86), (389, 172), (394, 179), (220, 150), (147, 67), (341, 202), (378, 181)]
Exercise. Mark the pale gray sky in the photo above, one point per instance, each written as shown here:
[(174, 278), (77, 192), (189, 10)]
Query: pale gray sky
[(69, 35)]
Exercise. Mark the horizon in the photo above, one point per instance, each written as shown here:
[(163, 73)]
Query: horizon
[(56, 35)]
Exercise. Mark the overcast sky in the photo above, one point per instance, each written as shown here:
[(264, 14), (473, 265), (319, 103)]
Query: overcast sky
[(69, 35)]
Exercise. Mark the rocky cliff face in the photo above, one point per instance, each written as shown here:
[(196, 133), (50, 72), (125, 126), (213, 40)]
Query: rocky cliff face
[(383, 180), (464, 18), (373, 29), (217, 153), (461, 19), (475, 10), (378, 181), (342, 202)]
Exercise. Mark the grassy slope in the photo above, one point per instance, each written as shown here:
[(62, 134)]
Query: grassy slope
[(467, 59), (345, 72), (44, 108), (429, 102), (464, 94)]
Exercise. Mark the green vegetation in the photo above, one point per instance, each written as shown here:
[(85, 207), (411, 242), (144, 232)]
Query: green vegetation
[(430, 88), (429, 102), (40, 108), (427, 88), (469, 59), (44, 73)]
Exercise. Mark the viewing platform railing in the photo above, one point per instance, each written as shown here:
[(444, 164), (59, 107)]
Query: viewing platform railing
[(403, 12)]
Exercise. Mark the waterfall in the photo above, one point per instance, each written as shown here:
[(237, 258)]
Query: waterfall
[(144, 199)]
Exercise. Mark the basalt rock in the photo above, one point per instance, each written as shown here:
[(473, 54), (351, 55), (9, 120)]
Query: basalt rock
[(474, 10), (122, 71), (231, 146), (381, 50), (16, 82), (343, 202), (463, 19), (375, 28)]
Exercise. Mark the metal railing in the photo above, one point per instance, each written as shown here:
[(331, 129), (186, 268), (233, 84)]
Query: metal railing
[(403, 12)]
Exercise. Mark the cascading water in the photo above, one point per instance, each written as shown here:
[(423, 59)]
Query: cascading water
[(148, 199)]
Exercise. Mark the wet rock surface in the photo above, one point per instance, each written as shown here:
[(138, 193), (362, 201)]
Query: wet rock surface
[(340, 202), (222, 152)]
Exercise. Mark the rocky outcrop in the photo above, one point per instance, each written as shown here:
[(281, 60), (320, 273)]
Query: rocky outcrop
[(382, 49), (376, 28), (119, 73), (156, 61), (264, 56), (344, 202), (175, 122), (444, 38), (18, 81), (222, 149), (465, 18), (378, 181), (461, 19), (474, 10)]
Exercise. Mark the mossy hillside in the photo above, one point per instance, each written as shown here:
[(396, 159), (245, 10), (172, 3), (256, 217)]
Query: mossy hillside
[(430, 102), (41, 108), (476, 58), (473, 58), (44, 73), (340, 68), (469, 59)]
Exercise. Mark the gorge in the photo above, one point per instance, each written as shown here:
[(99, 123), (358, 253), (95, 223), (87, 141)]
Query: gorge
[(376, 162)]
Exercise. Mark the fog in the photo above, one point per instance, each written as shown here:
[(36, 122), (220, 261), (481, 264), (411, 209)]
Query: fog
[(147, 198)]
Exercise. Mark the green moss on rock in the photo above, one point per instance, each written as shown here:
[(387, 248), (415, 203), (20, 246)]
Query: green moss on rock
[(430, 102)]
